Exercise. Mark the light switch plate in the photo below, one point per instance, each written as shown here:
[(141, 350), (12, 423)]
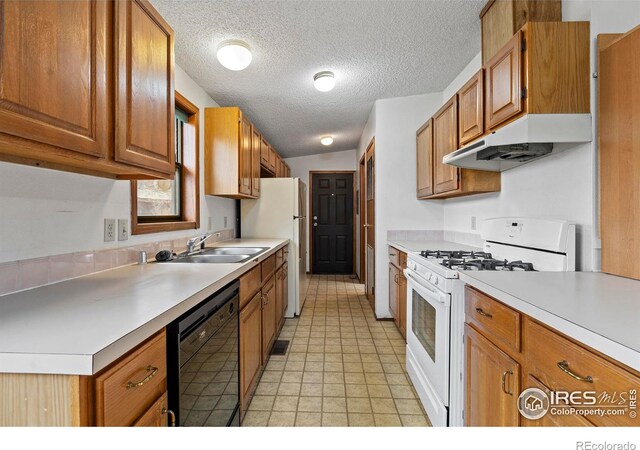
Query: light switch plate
[(123, 229), (109, 230)]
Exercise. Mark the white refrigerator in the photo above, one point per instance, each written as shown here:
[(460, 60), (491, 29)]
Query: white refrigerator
[(280, 212)]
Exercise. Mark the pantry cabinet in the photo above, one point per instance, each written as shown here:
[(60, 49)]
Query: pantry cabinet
[(228, 143), (78, 96)]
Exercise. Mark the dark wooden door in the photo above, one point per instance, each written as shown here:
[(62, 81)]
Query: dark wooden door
[(370, 222), (332, 222)]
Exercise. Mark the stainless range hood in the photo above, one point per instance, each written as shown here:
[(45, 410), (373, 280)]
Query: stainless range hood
[(530, 137)]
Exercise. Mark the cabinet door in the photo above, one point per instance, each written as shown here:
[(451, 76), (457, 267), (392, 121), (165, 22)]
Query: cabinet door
[(278, 167), (55, 74), (471, 109), (393, 292), (156, 415), (268, 317), (264, 153), (503, 86), (250, 348), (255, 162), (279, 297), (245, 170), (272, 159), (402, 304), (445, 141), (424, 150), (493, 383), (285, 289), (145, 106)]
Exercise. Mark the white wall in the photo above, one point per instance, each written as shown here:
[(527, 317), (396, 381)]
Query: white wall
[(302, 165), (46, 212)]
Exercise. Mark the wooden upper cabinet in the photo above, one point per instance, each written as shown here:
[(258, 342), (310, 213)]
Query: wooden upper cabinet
[(264, 154), (424, 157), (445, 141), (503, 82), (471, 109), (255, 161), (228, 148), (500, 19), (144, 106), (54, 84), (493, 384), (272, 159)]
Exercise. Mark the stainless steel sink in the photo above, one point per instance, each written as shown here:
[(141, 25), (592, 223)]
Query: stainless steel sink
[(208, 258), (234, 250)]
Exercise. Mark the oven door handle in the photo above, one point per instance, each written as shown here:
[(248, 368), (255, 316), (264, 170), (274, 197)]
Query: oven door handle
[(437, 295)]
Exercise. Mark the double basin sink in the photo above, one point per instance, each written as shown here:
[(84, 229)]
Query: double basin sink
[(221, 255)]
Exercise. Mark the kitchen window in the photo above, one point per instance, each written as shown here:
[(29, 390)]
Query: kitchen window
[(169, 205)]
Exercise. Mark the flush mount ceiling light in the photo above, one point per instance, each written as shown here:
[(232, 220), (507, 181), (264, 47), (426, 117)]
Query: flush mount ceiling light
[(324, 81), (326, 140), (234, 54)]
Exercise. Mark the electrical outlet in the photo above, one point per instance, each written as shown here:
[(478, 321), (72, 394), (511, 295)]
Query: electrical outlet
[(109, 230), (225, 221), (123, 229), (473, 222)]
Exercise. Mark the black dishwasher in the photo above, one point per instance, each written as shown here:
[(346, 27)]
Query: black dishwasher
[(202, 358)]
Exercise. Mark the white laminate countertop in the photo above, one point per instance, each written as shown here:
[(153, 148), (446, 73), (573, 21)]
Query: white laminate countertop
[(599, 310), (418, 246), (80, 326)]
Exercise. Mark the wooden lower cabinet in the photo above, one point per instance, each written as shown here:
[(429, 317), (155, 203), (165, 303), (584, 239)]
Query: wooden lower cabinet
[(402, 305), (393, 291), (398, 289), (282, 295), (250, 348), (157, 415), (493, 384), (268, 317)]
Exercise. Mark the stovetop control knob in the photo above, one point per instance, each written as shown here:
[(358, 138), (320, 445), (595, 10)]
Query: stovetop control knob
[(429, 276), (436, 281)]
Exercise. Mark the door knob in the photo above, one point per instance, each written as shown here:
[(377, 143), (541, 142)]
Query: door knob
[(315, 217), (315, 224)]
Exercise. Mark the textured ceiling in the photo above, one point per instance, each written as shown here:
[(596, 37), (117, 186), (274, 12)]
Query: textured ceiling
[(377, 49)]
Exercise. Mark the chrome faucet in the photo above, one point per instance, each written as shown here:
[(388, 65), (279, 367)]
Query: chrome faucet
[(194, 242)]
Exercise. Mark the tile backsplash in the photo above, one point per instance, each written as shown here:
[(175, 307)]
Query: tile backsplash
[(30, 273)]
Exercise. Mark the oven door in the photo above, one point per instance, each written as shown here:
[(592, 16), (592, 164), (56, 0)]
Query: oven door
[(428, 324)]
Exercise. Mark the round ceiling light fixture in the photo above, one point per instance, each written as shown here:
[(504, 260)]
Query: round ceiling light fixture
[(324, 81), (326, 140), (234, 54)]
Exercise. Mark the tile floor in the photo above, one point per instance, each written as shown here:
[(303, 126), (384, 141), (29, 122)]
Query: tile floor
[(342, 367)]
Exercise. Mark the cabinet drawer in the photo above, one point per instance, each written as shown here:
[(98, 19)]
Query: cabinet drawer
[(156, 415), (250, 282), (494, 319), (394, 256), (279, 257), (128, 389), (268, 267), (564, 365)]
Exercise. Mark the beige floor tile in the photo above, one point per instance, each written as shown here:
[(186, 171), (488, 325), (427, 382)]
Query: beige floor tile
[(262, 403), (267, 388), (408, 406), (375, 378), (397, 378), (414, 420), (379, 390), (285, 403), (256, 419), (333, 367), (275, 365), (296, 356), (354, 378), (387, 420), (361, 420), (351, 357), (289, 389), (312, 377), (333, 377), (372, 367), (282, 419), (357, 390), (334, 404), (314, 366), (398, 391), (333, 390), (383, 405), (392, 368), (350, 349), (294, 366), (333, 357), (310, 404), (358, 405), (370, 357), (311, 389), (315, 357), (353, 367), (269, 376), (291, 377), (308, 419), (334, 420)]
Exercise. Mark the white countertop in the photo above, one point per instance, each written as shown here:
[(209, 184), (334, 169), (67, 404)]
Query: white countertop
[(80, 326), (599, 310), (418, 246)]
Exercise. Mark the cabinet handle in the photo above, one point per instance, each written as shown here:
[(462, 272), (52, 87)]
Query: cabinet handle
[(564, 366), (134, 384), (504, 381), (482, 313), (396, 278), (172, 416)]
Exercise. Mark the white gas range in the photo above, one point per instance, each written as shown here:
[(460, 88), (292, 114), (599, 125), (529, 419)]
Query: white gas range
[(435, 302)]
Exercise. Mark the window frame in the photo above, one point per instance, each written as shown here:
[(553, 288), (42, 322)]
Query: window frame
[(189, 186)]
